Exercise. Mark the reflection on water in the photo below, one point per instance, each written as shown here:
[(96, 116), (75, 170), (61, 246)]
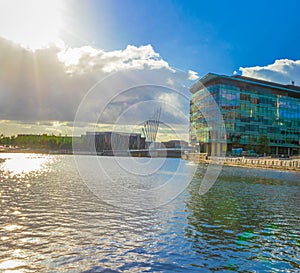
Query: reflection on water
[(22, 164), (249, 221), (11, 266)]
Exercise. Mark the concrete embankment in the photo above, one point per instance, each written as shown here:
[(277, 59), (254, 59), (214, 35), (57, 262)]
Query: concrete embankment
[(284, 164), (292, 164)]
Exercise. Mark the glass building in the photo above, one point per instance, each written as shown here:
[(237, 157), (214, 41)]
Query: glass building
[(256, 114)]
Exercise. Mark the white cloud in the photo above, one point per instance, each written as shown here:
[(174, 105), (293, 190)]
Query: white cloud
[(50, 83), (86, 59), (192, 75), (171, 99), (175, 107), (282, 71)]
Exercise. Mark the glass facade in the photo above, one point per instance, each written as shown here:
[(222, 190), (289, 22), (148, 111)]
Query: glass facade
[(255, 113)]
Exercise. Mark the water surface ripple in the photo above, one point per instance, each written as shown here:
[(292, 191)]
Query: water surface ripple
[(50, 222)]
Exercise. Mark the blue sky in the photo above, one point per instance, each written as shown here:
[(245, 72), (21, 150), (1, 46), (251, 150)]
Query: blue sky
[(204, 36), (53, 51)]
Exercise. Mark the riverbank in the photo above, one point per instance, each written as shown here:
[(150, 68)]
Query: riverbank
[(291, 164), (161, 153), (34, 151)]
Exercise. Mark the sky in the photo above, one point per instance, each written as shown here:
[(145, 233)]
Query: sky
[(204, 36), (53, 52)]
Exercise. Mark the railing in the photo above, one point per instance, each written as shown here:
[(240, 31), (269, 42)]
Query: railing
[(290, 164)]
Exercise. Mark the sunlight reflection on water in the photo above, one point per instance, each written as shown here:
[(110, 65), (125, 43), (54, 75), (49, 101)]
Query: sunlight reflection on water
[(247, 222), (23, 164), (10, 265)]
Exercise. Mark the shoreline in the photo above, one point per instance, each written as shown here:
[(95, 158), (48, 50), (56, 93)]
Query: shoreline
[(274, 168), (254, 163), (33, 151), (291, 164)]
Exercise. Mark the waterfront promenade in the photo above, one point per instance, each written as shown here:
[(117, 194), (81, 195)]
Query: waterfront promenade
[(291, 164)]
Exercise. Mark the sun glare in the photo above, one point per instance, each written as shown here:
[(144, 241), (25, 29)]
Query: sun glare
[(33, 24)]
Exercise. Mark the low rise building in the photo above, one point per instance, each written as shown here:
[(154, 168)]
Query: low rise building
[(114, 141)]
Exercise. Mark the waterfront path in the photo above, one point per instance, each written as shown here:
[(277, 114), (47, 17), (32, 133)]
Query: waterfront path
[(273, 163), (291, 164)]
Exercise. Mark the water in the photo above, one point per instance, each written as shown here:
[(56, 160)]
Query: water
[(51, 222)]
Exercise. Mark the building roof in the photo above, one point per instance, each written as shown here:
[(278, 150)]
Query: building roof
[(242, 79)]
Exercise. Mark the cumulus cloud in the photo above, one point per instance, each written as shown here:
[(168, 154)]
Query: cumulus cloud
[(34, 86), (193, 75), (49, 84), (282, 71), (41, 90), (86, 59)]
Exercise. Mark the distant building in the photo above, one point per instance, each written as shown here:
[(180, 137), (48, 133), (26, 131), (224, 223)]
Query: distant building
[(251, 109), (176, 144), (114, 141)]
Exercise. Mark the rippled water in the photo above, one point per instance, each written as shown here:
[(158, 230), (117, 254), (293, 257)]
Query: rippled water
[(51, 222)]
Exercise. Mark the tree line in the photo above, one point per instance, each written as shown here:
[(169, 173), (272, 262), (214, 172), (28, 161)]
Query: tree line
[(33, 141)]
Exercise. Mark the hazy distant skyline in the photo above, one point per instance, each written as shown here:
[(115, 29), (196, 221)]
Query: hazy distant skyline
[(52, 52)]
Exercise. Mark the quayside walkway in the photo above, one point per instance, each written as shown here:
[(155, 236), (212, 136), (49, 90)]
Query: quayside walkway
[(292, 164)]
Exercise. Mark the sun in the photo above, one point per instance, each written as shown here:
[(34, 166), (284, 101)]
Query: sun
[(33, 24)]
